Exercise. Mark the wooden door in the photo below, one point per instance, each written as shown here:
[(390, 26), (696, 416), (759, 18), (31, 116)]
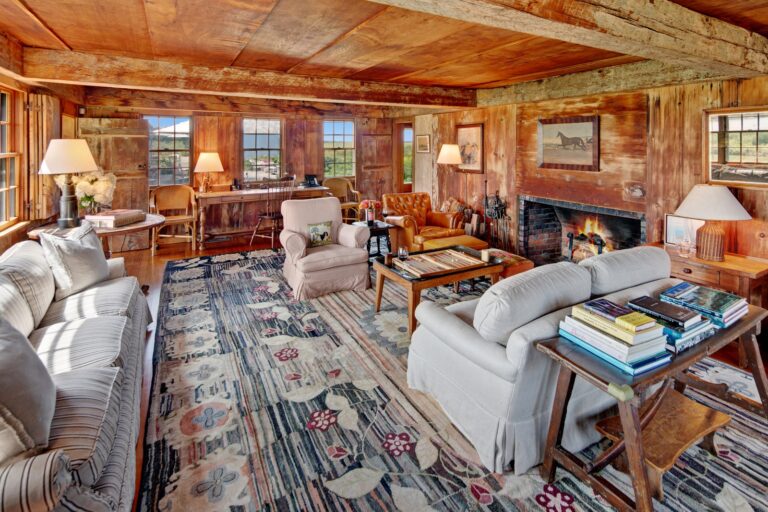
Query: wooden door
[(374, 166), (121, 146)]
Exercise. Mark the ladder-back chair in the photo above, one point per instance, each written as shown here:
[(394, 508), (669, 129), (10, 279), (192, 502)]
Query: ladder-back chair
[(275, 192), (177, 203)]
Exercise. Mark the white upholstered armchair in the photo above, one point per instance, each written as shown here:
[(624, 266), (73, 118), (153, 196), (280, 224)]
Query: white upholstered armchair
[(339, 265)]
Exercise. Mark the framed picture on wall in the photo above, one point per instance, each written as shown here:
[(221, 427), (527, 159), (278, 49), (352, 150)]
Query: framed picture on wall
[(680, 230), (422, 144), (469, 137), (571, 143)]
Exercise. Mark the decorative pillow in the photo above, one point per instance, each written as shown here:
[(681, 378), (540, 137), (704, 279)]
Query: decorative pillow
[(14, 307), (28, 399), (77, 261), (320, 233)]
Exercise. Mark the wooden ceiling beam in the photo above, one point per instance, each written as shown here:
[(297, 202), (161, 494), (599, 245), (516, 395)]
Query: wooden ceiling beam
[(132, 100), (22, 5), (130, 73), (628, 77), (11, 55), (653, 29)]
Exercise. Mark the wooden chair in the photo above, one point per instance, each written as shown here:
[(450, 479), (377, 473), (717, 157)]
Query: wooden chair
[(177, 203), (349, 198), (277, 191)]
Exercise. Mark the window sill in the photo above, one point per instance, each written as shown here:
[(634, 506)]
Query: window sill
[(13, 234)]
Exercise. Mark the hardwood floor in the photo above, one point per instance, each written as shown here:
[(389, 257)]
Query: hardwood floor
[(149, 271)]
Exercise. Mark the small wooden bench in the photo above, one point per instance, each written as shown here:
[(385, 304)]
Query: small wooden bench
[(679, 423)]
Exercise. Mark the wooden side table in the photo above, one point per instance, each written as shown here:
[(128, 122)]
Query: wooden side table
[(743, 275), (152, 221), (628, 391), (378, 231)]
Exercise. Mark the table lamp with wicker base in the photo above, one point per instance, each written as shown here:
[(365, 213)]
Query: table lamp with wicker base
[(711, 203)]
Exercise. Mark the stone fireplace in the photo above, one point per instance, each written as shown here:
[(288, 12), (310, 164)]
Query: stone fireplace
[(552, 230)]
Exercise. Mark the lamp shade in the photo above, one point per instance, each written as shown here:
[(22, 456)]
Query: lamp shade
[(712, 202), (449, 154), (68, 156), (209, 162)]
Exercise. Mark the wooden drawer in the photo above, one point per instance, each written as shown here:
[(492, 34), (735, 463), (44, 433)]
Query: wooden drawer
[(695, 273)]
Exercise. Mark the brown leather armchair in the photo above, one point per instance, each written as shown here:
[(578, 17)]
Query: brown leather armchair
[(412, 213)]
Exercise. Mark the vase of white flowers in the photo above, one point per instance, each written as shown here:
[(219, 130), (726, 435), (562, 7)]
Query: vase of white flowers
[(94, 190)]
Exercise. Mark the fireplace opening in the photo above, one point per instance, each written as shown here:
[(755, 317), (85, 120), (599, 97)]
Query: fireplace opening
[(552, 231)]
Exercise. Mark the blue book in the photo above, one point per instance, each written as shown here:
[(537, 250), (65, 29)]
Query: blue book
[(637, 368)]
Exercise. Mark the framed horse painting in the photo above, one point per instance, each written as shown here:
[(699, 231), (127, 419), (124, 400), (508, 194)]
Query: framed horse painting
[(571, 143)]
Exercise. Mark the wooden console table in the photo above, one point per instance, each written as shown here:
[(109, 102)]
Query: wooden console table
[(628, 391), (255, 195)]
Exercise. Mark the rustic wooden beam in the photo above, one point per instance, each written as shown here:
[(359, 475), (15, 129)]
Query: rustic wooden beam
[(627, 77), (652, 29), (73, 93), (131, 73), (104, 98), (10, 55), (22, 5)]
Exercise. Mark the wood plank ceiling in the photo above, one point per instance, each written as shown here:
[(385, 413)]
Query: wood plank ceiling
[(330, 38)]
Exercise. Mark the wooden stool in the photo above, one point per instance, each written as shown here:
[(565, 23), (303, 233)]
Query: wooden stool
[(679, 423)]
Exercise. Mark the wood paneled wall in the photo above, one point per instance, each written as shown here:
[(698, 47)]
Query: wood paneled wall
[(650, 154)]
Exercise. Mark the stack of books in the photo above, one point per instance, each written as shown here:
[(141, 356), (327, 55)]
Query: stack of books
[(683, 327), (116, 218), (723, 309), (629, 340)]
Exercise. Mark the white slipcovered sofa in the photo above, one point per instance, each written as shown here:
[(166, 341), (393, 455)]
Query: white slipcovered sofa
[(478, 358), (92, 345)]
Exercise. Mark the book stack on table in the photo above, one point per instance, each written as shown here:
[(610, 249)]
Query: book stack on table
[(723, 309), (629, 340), (683, 327)]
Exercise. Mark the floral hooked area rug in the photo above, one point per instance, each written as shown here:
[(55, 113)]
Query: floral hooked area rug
[(263, 402)]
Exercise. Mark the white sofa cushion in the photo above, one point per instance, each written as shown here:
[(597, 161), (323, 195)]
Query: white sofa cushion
[(613, 271), (97, 342), (85, 422), (28, 395), (77, 260), (517, 300), (116, 297), (25, 264), (14, 307)]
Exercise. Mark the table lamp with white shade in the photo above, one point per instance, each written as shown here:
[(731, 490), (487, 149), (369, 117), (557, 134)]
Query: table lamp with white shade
[(208, 162), (450, 154), (67, 157), (711, 203)]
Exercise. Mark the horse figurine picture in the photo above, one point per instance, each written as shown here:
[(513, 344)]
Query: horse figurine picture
[(573, 142), (579, 150)]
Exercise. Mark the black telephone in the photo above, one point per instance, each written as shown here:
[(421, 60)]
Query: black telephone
[(310, 180)]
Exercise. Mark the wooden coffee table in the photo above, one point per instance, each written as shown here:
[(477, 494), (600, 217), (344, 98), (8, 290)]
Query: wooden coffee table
[(686, 424), (414, 285)]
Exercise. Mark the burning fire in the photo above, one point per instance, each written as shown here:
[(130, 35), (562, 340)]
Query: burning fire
[(592, 236)]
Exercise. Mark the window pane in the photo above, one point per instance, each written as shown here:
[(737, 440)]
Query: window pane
[(734, 154), (3, 172), (749, 155), (763, 121), (734, 140), (3, 216), (4, 142), (749, 122), (714, 123), (734, 123), (749, 139), (762, 139), (12, 172), (12, 203), (274, 141), (4, 106), (166, 176), (262, 141), (249, 141)]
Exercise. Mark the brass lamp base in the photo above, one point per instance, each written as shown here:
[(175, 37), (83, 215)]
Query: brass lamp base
[(710, 241), (206, 183), (68, 205)]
